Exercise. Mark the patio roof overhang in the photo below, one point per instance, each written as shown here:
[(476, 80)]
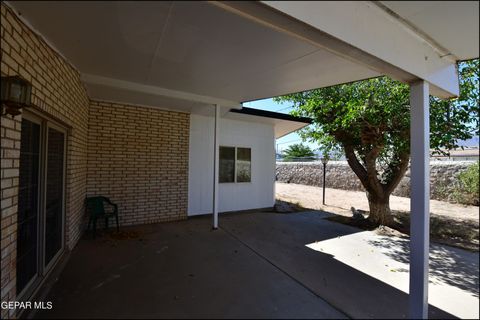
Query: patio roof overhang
[(283, 124), (196, 53), (187, 54)]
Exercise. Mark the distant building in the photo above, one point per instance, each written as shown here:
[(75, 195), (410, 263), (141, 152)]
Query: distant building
[(467, 154)]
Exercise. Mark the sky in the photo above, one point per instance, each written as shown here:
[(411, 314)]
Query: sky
[(294, 138), (289, 139)]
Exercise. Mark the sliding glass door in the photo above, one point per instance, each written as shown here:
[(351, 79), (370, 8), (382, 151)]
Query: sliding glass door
[(28, 204), (54, 194), (40, 202)]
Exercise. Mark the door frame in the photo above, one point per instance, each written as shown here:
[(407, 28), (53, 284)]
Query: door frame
[(43, 270), (47, 267), (36, 280)]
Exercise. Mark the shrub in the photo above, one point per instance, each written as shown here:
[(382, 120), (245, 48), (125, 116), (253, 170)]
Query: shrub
[(467, 191)]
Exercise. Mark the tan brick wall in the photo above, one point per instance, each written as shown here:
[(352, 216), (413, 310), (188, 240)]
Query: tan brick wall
[(10, 153), (138, 157), (58, 92)]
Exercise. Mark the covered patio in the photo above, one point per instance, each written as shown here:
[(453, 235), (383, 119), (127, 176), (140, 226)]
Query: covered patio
[(256, 265), (122, 81)]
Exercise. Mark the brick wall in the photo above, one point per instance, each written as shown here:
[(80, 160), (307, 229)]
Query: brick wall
[(138, 157), (10, 154), (58, 92)]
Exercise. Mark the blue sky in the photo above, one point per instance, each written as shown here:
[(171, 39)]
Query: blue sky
[(270, 105), (293, 138)]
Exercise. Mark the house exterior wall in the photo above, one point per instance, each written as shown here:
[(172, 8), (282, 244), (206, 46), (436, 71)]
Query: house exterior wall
[(259, 193), (58, 93), (138, 157)]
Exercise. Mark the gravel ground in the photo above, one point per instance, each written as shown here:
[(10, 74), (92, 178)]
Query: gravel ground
[(340, 201)]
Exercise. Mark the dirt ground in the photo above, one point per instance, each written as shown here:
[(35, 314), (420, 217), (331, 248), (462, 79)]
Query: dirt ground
[(340, 201), (452, 224)]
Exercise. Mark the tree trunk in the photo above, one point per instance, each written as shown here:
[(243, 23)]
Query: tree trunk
[(380, 213)]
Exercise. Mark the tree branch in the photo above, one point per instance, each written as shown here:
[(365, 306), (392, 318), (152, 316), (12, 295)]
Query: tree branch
[(356, 166), (397, 172), (372, 174)]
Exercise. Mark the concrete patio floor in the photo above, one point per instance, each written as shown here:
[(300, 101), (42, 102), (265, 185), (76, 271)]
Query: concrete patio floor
[(257, 265)]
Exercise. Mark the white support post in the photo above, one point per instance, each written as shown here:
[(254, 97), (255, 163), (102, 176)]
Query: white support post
[(420, 199), (216, 134)]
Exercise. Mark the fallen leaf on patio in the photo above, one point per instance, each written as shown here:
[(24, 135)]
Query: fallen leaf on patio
[(162, 249), (124, 235)]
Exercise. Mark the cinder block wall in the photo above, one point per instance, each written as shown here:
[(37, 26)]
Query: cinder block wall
[(138, 157), (339, 175), (58, 92)]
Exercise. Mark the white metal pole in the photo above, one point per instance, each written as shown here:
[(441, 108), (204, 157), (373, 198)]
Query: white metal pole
[(420, 199), (216, 134)]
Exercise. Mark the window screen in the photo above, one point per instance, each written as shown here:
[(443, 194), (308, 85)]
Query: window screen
[(244, 157), (227, 164)]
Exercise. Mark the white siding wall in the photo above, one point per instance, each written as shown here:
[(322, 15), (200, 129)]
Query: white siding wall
[(232, 196)]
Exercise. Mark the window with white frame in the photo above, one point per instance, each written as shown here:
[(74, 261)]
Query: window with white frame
[(235, 164)]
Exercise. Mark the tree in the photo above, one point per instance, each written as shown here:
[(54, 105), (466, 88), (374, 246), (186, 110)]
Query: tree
[(370, 121), (296, 151)]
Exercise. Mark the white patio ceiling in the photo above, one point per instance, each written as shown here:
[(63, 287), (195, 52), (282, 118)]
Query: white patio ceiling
[(452, 25), (185, 55), (191, 47)]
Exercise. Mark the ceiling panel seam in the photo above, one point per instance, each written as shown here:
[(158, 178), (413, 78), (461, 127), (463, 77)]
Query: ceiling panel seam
[(160, 41)]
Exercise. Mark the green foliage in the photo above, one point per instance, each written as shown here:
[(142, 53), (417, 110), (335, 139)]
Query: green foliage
[(382, 101), (467, 191), (365, 115), (456, 119), (296, 151), (374, 114), (370, 121)]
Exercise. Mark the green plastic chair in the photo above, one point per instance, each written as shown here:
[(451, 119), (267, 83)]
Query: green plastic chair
[(96, 207)]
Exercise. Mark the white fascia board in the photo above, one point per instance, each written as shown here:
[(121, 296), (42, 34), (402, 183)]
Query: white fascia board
[(282, 128), (367, 27), (159, 91)]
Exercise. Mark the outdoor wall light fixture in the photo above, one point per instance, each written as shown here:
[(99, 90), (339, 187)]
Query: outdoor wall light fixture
[(16, 94)]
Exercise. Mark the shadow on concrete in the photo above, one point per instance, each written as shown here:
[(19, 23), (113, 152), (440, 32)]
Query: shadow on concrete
[(176, 270), (457, 232), (452, 266), (255, 266), (281, 239)]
